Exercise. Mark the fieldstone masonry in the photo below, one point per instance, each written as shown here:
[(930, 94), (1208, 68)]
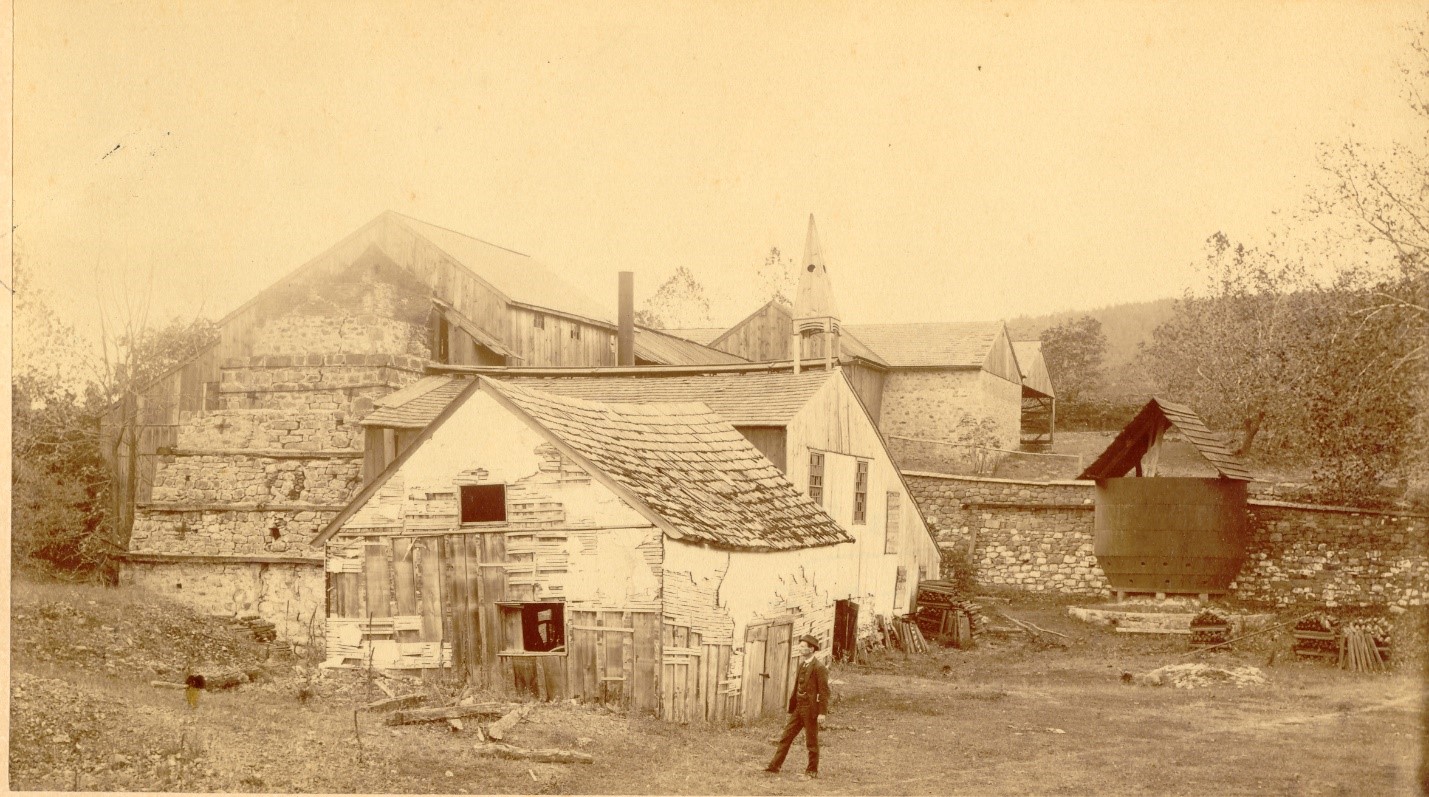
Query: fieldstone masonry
[(1037, 536), (249, 484)]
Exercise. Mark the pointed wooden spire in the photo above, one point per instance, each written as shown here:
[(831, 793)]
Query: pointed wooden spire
[(815, 296)]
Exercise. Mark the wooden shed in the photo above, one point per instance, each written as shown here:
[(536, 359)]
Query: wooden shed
[(621, 538), (1164, 534)]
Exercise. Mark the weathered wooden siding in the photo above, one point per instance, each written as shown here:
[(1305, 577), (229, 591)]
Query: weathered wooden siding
[(868, 384), (762, 337), (1002, 359), (834, 423), (772, 442), (561, 340), (567, 539)]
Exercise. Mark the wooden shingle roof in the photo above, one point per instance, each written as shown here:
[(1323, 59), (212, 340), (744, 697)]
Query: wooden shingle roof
[(938, 344), (1131, 444), (689, 466), (761, 398)]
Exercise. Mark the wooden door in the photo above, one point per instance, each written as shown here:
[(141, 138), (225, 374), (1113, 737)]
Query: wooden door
[(768, 651), (845, 630)]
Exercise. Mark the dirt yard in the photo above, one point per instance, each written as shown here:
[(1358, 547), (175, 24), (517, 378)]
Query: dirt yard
[(1016, 715)]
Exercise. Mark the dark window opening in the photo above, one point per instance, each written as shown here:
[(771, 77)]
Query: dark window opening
[(575, 332), (274, 533), (542, 626), (538, 321), (483, 503), (816, 477), (860, 494)]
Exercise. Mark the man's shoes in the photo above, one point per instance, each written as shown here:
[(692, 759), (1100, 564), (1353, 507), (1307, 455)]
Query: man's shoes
[(809, 776), (769, 770)]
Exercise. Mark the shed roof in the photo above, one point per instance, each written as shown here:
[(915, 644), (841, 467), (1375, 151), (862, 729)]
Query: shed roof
[(760, 398), (946, 344), (701, 335), (688, 465), (521, 278), (1033, 367), (1132, 442), (657, 346)]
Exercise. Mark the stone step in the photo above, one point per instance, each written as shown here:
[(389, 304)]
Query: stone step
[(228, 429), (247, 478), (226, 532)]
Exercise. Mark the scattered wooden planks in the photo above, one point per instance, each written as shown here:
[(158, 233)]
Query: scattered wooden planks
[(416, 715), (497, 730), (549, 756), (396, 703)]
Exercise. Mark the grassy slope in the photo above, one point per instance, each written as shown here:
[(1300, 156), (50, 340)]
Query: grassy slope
[(984, 721)]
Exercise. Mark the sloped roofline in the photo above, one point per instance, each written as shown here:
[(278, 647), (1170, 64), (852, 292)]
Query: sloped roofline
[(493, 389), (1131, 444)]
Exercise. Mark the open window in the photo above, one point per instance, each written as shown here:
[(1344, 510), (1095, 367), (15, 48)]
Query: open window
[(483, 503), (533, 627)]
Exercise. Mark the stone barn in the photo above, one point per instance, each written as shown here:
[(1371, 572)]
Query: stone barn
[(231, 463)]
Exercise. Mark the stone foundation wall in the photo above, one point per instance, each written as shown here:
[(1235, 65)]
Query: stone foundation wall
[(272, 430), (1037, 537), (228, 532), (248, 479), (931, 418), (349, 317), (291, 596)]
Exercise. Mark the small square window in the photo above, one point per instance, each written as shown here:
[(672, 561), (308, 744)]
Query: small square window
[(539, 321), (575, 332), (483, 503)]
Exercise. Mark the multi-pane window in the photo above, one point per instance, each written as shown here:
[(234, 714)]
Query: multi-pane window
[(860, 493), (483, 503), (816, 477), (894, 520)]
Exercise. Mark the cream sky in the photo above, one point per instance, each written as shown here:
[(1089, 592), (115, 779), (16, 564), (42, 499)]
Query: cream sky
[(972, 160)]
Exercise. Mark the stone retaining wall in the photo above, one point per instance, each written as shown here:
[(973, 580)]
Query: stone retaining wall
[(1037, 537), (291, 596)]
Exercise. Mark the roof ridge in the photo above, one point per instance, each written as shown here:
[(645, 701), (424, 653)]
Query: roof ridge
[(458, 232)]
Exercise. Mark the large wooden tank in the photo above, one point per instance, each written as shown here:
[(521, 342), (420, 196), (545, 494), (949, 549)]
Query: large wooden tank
[(1175, 535)]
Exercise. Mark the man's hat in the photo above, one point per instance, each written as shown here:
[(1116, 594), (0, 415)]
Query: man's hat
[(810, 640)]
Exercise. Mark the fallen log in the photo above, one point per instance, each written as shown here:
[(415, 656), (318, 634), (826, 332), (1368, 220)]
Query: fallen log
[(218, 680), (396, 702), (549, 756), (497, 730), (416, 715)]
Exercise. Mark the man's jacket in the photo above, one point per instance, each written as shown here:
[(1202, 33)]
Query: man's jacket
[(815, 680)]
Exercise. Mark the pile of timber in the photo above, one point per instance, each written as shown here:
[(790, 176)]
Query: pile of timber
[(942, 612), (1364, 645), (1210, 628), (1317, 636), (490, 737), (906, 635), (262, 630)]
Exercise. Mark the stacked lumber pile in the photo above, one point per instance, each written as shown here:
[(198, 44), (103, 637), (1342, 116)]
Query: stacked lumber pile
[(906, 636), (1210, 628), (1317, 636), (262, 630), (941, 612), (1364, 645)]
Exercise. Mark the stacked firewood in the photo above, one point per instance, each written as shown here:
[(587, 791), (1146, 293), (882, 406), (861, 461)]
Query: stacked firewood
[(941, 611), (906, 635), (1211, 627), (262, 630)]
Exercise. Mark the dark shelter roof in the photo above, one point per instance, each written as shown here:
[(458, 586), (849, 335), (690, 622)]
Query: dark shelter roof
[(1132, 443)]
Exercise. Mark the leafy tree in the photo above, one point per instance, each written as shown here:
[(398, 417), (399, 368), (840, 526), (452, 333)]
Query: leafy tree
[(680, 301), (1074, 352), (776, 278)]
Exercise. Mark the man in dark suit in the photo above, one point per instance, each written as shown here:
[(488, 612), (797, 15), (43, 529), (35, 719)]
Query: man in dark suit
[(807, 708)]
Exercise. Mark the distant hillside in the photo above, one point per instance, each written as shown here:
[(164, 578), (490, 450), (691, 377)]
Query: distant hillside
[(1125, 326)]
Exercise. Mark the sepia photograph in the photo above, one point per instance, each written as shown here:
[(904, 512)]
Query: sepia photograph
[(781, 397)]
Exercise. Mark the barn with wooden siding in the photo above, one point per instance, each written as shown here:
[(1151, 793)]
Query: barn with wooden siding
[(667, 561), (925, 384), (1039, 398), (233, 461)]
